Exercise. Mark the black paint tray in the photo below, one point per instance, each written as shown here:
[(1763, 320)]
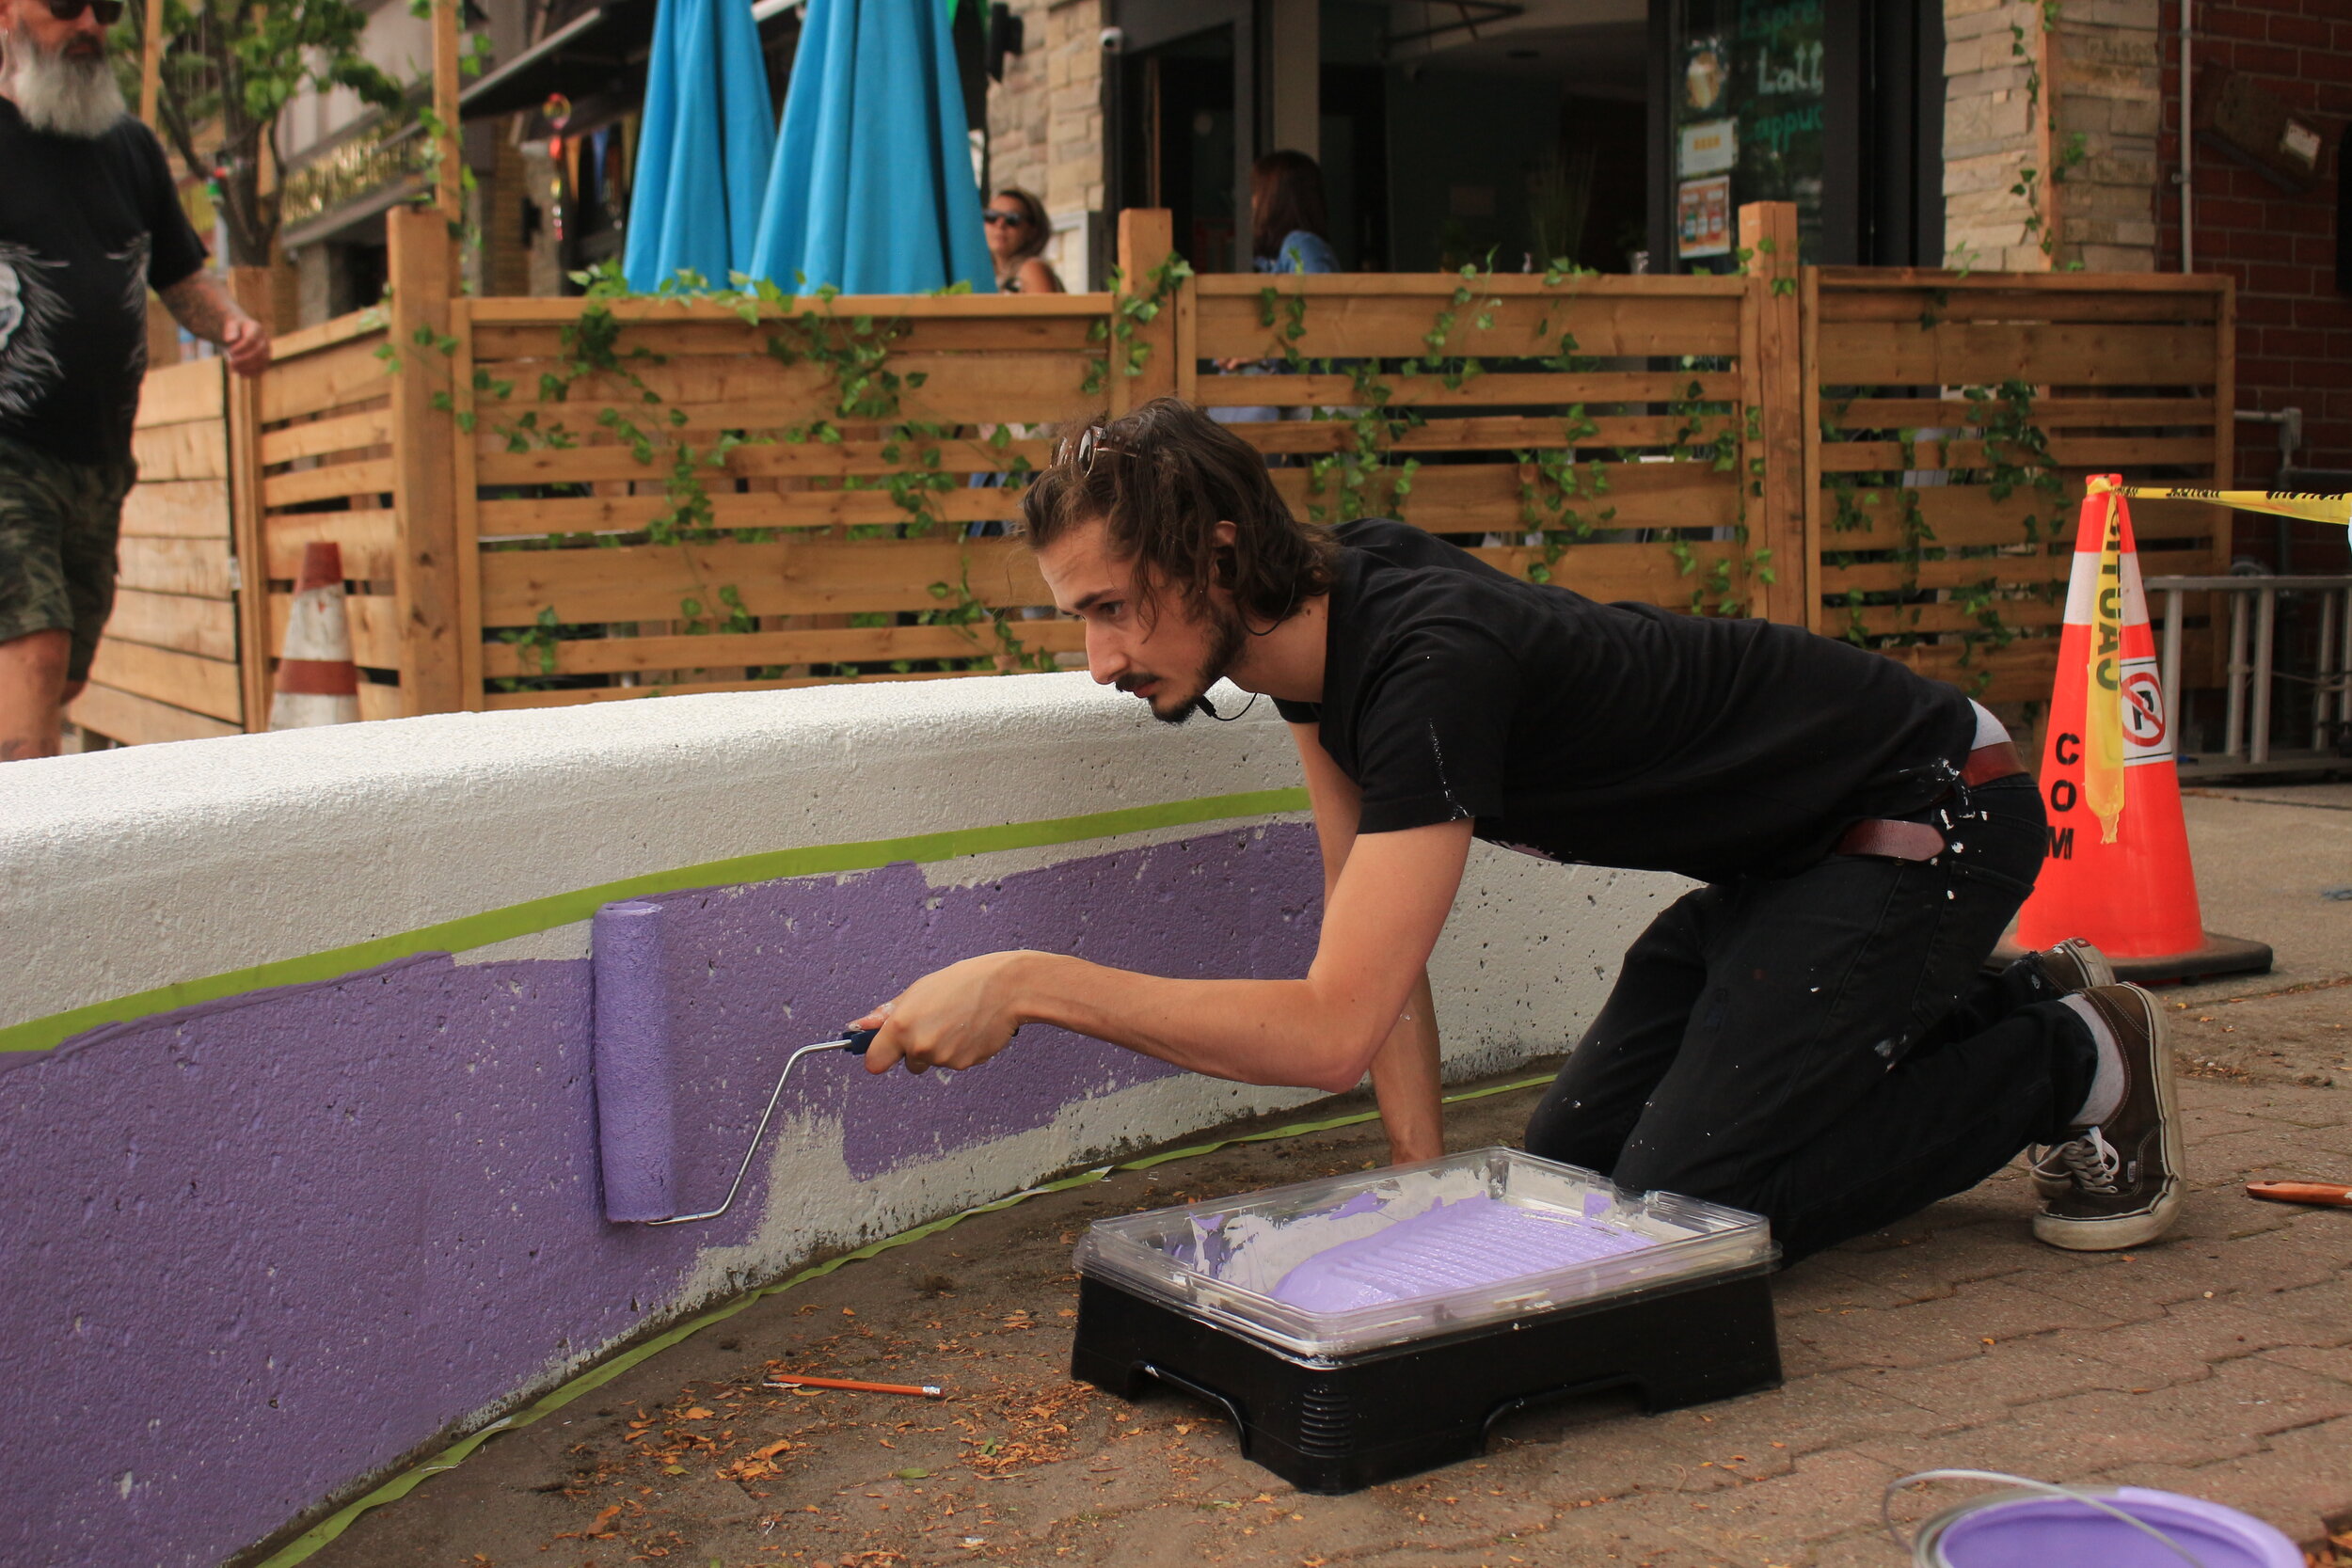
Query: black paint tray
[(1366, 1327)]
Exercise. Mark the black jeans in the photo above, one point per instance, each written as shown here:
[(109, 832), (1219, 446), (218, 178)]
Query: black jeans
[(1823, 1048)]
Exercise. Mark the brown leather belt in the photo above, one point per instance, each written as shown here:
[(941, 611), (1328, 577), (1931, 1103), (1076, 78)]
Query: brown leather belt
[(1923, 841)]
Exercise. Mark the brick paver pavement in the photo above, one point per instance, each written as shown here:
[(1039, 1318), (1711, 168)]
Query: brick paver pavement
[(2219, 1363)]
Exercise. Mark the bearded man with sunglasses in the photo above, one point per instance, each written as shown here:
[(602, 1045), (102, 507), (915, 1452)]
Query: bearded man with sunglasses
[(1807, 1034), (89, 223)]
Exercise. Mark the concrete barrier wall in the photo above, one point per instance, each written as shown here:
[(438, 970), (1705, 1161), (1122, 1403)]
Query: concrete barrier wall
[(301, 1163)]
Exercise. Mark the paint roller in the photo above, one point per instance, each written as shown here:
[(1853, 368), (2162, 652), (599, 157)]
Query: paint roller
[(636, 1128)]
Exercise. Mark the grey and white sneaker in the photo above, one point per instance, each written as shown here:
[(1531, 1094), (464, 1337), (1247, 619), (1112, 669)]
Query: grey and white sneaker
[(2122, 1181), (2067, 967)]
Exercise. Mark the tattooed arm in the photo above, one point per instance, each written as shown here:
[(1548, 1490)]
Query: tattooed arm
[(198, 303)]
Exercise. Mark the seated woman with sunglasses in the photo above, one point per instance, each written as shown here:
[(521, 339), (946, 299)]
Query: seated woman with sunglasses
[(1017, 234), (89, 223)]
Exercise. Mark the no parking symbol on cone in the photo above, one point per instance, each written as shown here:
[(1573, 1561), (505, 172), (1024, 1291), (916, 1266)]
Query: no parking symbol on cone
[(2116, 868)]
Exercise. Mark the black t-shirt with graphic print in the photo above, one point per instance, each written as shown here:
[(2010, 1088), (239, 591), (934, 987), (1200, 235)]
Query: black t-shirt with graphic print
[(86, 225), (1615, 735)]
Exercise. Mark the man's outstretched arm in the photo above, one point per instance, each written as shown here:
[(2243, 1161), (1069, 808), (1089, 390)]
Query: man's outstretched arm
[(1386, 909), (198, 303)]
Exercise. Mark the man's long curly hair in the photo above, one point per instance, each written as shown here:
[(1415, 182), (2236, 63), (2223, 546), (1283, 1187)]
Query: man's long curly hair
[(1161, 479)]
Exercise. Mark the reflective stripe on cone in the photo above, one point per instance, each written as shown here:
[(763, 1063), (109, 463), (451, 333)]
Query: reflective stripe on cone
[(317, 682)]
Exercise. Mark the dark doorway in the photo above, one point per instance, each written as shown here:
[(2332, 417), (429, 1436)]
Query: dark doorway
[(1178, 103), (1354, 136), (1183, 123)]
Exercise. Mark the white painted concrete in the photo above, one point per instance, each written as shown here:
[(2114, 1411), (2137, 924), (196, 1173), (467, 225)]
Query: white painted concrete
[(131, 869)]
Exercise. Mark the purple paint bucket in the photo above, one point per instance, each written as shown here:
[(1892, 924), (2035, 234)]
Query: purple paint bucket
[(2107, 1527)]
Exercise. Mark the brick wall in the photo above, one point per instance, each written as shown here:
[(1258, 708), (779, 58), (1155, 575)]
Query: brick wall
[(2295, 330)]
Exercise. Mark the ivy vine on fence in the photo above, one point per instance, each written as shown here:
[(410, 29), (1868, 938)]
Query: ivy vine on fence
[(1563, 497), (2014, 455)]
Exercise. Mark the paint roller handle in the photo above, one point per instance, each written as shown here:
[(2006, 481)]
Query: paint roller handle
[(855, 1039)]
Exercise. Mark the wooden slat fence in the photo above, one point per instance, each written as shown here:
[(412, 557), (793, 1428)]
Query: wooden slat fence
[(1954, 419), (551, 501), (166, 668), (323, 457)]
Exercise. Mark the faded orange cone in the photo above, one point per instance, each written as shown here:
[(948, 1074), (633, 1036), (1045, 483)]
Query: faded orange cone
[(2116, 865), (317, 682)]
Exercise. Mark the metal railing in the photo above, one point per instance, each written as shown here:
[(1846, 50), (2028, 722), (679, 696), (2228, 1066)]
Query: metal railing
[(2254, 670)]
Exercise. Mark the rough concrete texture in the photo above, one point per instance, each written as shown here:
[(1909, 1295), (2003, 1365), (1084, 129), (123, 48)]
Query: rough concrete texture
[(2215, 1364), (277, 1241), (2218, 1363), (153, 864), (2274, 863)]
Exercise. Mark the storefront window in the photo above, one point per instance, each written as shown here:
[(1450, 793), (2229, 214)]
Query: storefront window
[(1748, 121)]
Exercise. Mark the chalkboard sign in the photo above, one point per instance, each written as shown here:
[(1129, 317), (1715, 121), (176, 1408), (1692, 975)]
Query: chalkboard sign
[(1748, 115)]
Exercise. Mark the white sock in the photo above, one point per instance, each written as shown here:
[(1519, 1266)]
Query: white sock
[(2106, 1087)]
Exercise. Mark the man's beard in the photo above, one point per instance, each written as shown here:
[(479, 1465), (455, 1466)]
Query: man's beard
[(1225, 646), (63, 94)]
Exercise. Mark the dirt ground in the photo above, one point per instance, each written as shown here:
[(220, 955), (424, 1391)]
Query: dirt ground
[(2218, 1362)]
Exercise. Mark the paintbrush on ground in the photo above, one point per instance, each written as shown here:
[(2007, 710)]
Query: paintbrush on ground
[(2329, 1194), (927, 1390)]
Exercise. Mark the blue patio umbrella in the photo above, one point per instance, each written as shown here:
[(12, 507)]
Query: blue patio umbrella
[(702, 154), (872, 189)]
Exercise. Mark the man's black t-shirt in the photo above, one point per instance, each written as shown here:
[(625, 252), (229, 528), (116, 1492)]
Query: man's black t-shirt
[(1612, 734), (86, 225)]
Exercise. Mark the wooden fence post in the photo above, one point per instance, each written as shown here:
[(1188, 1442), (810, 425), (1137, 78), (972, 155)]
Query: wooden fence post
[(424, 276), (253, 289), (1768, 235), (1146, 238)]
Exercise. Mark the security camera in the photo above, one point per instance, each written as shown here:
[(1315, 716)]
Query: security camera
[(1113, 39)]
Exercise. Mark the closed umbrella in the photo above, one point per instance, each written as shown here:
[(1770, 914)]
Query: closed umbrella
[(703, 150), (872, 190)]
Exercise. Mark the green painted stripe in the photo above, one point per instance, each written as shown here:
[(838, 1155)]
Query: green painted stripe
[(563, 909), (307, 1544)]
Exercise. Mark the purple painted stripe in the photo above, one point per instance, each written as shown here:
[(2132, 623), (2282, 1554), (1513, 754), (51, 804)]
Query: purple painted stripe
[(259, 1248)]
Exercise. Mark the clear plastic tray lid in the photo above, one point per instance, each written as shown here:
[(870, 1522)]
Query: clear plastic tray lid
[(1349, 1263)]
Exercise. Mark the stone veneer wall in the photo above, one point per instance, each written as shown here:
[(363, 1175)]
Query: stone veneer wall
[(2099, 81), (1045, 130)]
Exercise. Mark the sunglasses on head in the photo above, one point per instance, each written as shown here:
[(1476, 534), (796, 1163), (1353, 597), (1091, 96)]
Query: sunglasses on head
[(109, 11), (1010, 220), (1080, 452)]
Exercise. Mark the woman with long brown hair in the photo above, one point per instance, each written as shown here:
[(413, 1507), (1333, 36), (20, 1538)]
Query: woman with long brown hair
[(1289, 219)]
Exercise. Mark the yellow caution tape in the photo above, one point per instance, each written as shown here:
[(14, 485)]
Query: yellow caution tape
[(2276, 503), (2103, 683)]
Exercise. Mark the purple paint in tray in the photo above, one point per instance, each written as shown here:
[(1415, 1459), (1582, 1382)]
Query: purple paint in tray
[(1348, 1264), (1475, 1241)]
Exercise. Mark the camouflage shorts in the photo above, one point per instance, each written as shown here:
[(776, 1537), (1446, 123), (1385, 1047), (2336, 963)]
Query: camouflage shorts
[(57, 525)]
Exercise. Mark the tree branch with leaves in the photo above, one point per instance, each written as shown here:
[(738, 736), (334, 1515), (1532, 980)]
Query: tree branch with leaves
[(229, 69)]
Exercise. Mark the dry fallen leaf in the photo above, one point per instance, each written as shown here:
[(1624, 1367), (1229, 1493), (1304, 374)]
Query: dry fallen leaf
[(697, 1413)]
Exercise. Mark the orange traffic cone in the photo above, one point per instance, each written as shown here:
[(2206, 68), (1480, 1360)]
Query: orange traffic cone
[(317, 682), (2116, 869)]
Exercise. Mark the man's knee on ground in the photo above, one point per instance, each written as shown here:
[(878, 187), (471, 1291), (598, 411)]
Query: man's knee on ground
[(1573, 1137), (1686, 1175)]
